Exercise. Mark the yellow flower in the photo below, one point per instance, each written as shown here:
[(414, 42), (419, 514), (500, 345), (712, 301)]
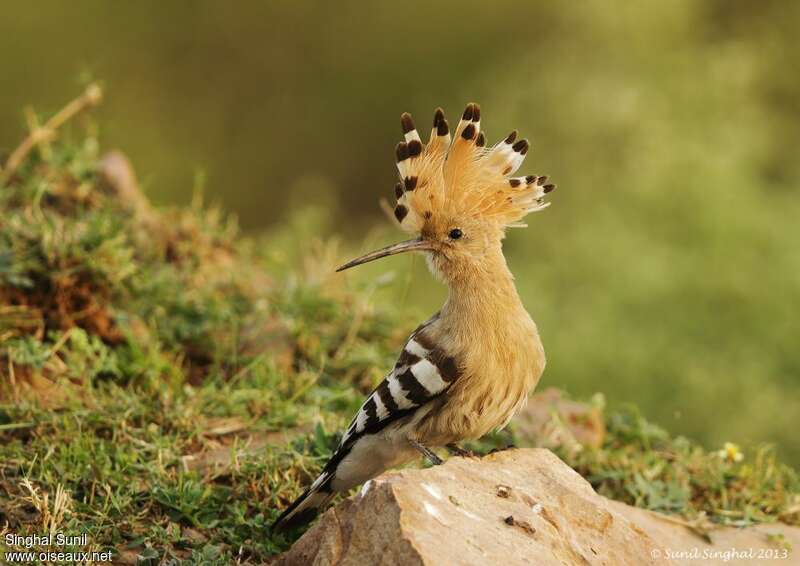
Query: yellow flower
[(731, 453)]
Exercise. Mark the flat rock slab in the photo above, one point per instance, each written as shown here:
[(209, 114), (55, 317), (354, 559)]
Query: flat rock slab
[(514, 507)]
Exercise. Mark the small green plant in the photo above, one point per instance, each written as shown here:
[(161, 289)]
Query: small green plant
[(641, 464)]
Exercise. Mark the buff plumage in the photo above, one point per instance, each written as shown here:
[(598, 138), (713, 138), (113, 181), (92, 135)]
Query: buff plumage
[(470, 367)]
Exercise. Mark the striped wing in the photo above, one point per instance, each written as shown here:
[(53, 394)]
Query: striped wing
[(422, 372)]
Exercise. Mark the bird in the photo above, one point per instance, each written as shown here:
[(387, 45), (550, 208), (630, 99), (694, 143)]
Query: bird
[(469, 368)]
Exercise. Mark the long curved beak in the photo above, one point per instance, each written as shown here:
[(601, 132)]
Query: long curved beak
[(417, 244)]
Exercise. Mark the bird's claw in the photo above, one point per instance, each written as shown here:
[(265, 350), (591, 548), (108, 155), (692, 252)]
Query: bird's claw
[(456, 450), (509, 447)]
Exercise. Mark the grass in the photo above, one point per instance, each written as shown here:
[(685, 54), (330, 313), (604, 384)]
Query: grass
[(643, 465), (167, 387)]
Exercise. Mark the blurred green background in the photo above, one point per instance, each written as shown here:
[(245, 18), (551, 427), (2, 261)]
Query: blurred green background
[(667, 271)]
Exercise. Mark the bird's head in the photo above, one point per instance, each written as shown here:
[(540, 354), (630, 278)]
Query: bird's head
[(458, 197)]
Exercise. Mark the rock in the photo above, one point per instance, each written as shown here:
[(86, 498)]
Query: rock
[(116, 174), (549, 420), (512, 507)]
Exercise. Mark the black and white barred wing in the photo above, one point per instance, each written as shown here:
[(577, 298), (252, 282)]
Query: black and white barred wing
[(422, 372)]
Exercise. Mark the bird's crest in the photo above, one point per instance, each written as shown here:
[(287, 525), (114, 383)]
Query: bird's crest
[(459, 177)]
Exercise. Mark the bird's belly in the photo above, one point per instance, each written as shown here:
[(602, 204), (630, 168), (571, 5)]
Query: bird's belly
[(472, 411), (371, 455)]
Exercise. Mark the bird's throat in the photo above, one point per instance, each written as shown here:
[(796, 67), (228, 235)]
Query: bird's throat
[(485, 295)]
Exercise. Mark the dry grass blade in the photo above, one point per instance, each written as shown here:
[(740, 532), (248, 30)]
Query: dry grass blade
[(52, 517), (91, 97)]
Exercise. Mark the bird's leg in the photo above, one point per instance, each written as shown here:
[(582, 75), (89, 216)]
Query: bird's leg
[(456, 450), (427, 452)]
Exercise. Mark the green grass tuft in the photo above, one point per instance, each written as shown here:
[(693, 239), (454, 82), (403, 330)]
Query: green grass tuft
[(642, 465)]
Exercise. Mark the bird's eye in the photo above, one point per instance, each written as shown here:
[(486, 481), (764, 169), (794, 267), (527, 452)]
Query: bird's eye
[(455, 234)]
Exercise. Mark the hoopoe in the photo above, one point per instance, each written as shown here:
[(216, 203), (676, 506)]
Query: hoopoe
[(467, 369)]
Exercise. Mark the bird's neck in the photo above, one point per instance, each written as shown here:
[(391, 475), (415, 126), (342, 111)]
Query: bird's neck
[(484, 295)]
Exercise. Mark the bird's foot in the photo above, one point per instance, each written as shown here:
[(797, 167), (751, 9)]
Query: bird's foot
[(509, 447), (456, 450), (429, 454)]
